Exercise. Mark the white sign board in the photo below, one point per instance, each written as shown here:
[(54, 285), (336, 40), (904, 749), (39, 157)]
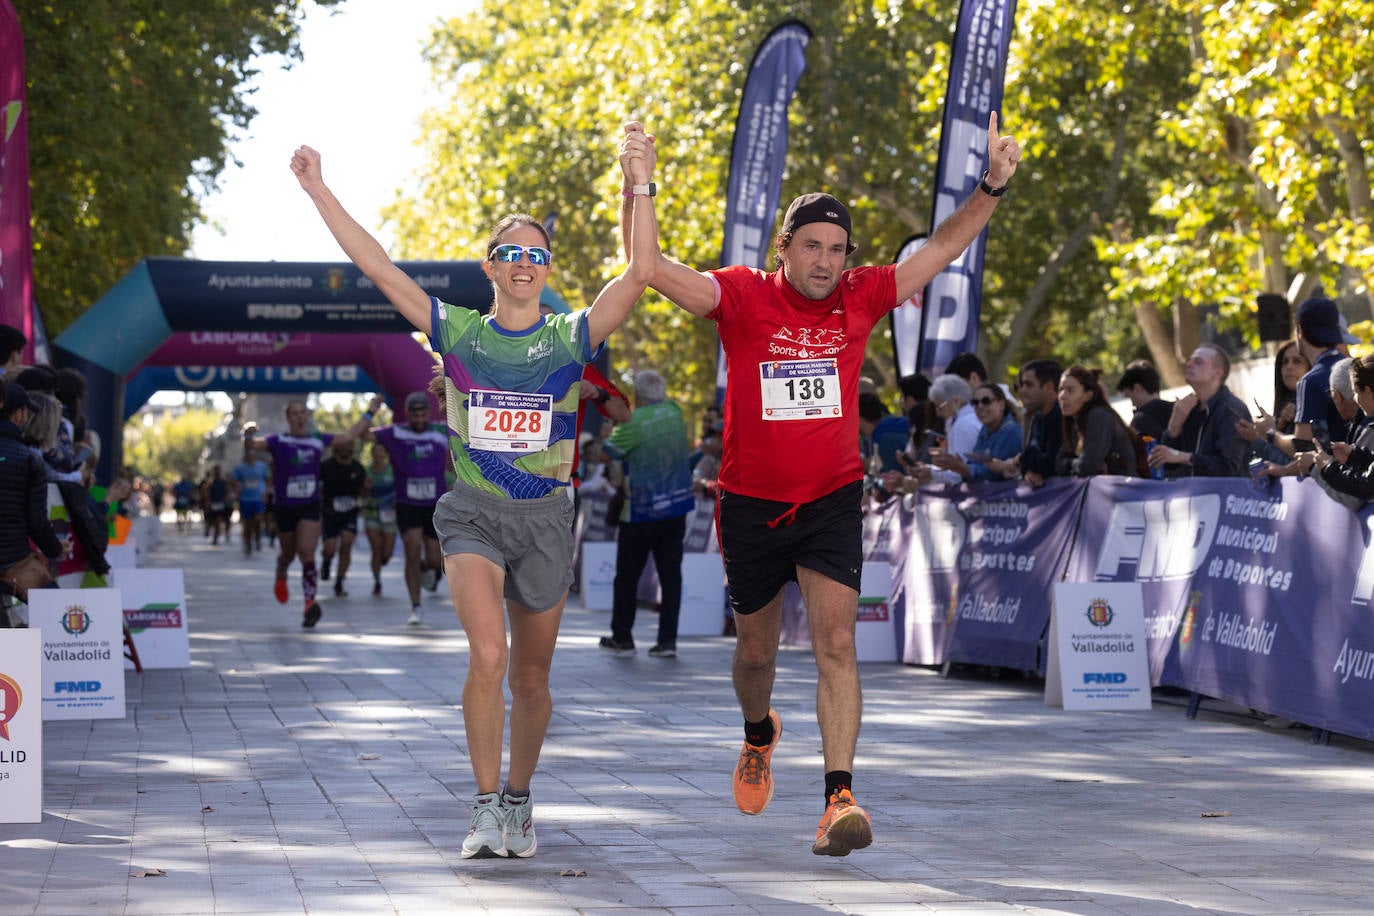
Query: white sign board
[(875, 632), (21, 726), (83, 651), (598, 575), (155, 612), (1096, 646), (703, 595)]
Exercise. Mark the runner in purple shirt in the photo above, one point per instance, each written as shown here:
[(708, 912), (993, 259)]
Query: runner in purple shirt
[(296, 456), (418, 450)]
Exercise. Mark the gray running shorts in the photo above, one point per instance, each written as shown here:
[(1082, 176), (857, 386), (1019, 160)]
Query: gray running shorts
[(531, 539)]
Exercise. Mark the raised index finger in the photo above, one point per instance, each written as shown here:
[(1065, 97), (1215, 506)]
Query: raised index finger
[(992, 128)]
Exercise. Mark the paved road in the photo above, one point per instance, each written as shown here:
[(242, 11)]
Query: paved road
[(324, 772)]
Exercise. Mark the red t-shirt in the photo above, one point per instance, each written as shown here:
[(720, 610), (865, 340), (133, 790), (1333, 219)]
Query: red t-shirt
[(792, 390)]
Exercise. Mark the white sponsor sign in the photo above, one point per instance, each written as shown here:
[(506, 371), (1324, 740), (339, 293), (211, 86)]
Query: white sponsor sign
[(21, 726), (155, 612), (703, 595), (598, 575), (83, 651), (1096, 646), (875, 632)]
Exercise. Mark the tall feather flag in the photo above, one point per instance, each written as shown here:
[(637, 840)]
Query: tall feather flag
[(953, 300), (16, 246), (760, 152)]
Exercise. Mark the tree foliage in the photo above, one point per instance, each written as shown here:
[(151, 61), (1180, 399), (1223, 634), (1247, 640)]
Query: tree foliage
[(131, 109), (1274, 174), (167, 449), (1181, 156), (537, 102)]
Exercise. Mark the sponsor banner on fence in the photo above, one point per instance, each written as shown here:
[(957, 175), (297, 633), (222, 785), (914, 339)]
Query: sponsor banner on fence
[(83, 651), (1255, 594), (973, 569), (21, 726), (155, 612)]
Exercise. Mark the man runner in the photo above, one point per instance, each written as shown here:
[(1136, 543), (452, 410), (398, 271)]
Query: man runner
[(418, 450), (296, 456), (791, 477)]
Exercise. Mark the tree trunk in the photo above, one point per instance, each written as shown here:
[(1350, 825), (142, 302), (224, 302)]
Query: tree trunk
[(1160, 340)]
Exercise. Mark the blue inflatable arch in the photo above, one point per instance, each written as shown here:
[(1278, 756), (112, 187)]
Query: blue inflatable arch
[(162, 297)]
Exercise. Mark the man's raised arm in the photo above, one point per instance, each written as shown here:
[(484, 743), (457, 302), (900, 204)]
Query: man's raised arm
[(958, 230)]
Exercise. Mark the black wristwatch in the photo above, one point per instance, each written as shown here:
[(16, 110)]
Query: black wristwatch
[(989, 189), (602, 395)]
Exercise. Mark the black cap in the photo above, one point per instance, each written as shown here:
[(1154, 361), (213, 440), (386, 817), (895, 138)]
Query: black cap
[(417, 399), (16, 396), (817, 208), (1320, 322)]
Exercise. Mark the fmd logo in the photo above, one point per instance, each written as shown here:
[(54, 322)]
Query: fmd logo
[(1158, 539), (275, 311), (76, 686), (1104, 677)]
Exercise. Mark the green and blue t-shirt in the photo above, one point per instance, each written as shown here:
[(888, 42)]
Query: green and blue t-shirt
[(511, 398)]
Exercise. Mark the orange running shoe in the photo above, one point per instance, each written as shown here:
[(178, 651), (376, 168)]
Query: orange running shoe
[(843, 827), (281, 591), (753, 780)]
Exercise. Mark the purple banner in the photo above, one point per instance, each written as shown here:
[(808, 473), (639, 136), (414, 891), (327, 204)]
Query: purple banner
[(974, 568), (759, 154), (760, 148), (906, 318), (1255, 595), (978, 62), (16, 245)]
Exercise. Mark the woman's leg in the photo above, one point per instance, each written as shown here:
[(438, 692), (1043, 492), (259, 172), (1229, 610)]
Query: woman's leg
[(533, 635), (481, 612)]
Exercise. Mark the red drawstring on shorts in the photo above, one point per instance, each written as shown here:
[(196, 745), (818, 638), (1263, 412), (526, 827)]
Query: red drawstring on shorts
[(787, 517)]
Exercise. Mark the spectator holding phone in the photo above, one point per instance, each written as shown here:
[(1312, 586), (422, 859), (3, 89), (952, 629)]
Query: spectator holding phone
[(998, 442), (1201, 439), (1271, 435)]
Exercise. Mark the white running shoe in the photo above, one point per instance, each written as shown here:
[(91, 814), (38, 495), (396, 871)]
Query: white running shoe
[(518, 817), (486, 837), (429, 578), (415, 616)]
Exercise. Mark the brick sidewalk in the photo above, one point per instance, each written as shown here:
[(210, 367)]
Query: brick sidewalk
[(291, 771)]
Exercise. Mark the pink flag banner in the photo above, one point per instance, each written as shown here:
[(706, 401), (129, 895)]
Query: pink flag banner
[(16, 248)]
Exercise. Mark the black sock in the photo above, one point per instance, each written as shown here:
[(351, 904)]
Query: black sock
[(759, 734), (836, 780)]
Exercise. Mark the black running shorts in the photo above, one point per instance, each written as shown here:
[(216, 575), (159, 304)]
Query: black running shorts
[(287, 517), (408, 516), (824, 535)]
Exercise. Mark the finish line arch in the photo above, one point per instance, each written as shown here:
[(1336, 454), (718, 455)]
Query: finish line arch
[(327, 314)]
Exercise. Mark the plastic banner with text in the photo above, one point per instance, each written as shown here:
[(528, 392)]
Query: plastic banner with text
[(978, 63)]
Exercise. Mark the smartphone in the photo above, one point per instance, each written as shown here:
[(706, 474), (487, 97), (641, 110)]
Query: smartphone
[(1237, 414)]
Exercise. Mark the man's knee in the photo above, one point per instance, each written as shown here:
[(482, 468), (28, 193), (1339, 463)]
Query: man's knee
[(833, 643), (755, 652)]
